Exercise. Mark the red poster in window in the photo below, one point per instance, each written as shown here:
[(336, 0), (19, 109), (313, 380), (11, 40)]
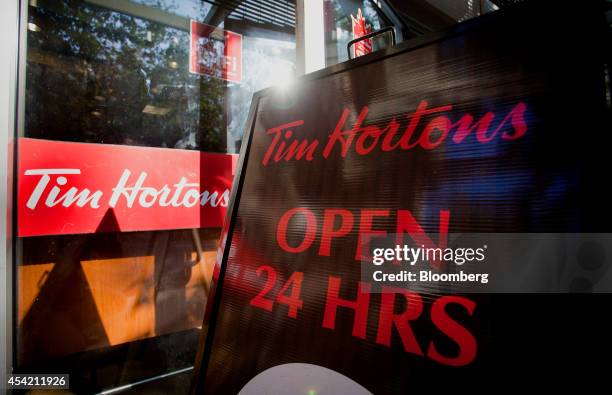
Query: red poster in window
[(69, 188), (360, 29), (215, 52)]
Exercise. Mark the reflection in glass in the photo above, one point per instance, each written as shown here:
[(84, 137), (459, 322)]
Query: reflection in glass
[(102, 75), (115, 308)]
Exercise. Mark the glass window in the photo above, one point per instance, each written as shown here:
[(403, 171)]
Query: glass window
[(116, 308), (339, 29), (409, 18), (422, 16), (120, 75)]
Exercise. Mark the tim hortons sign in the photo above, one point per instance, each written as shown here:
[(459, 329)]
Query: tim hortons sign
[(67, 188), (483, 128)]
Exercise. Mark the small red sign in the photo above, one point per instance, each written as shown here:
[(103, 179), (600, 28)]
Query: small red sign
[(215, 52), (69, 188), (360, 29)]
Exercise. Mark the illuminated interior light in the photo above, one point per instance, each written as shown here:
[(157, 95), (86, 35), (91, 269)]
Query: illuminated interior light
[(33, 27), (155, 110)]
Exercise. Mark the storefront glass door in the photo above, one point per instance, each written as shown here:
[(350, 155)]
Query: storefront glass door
[(134, 111)]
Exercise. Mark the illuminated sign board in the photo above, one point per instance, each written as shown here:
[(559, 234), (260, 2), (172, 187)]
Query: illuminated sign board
[(485, 128)]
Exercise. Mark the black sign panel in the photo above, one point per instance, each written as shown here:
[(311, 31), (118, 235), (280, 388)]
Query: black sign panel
[(500, 125)]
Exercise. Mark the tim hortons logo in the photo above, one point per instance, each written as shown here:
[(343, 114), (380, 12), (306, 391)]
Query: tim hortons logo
[(53, 189), (397, 135)]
